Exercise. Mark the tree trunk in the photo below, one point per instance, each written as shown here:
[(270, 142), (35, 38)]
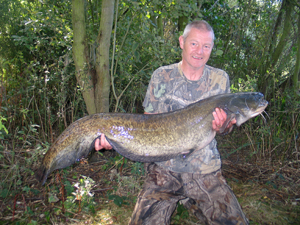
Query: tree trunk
[(160, 26), (182, 18), (285, 34), (95, 85), (80, 55), (102, 88), (153, 22), (182, 22), (296, 75), (275, 52)]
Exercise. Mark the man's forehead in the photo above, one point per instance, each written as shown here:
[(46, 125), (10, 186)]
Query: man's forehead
[(195, 30), (203, 34)]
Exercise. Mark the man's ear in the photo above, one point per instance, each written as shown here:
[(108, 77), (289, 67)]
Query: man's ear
[(181, 41)]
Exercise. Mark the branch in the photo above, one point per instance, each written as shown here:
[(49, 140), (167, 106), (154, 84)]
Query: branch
[(296, 3), (118, 98), (213, 6), (114, 50), (124, 38)]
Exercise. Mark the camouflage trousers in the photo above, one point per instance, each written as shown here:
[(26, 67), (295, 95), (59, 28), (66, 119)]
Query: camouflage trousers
[(207, 196)]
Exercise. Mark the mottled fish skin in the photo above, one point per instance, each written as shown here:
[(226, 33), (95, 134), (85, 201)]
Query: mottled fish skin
[(150, 137)]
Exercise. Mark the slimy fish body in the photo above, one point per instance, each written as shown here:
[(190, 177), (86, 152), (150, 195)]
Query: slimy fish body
[(150, 137)]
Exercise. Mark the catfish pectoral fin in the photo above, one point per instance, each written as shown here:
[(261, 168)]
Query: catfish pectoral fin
[(186, 154), (230, 117)]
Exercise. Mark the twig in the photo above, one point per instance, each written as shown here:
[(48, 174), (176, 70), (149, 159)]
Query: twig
[(62, 191), (15, 201), (103, 189), (121, 168), (114, 50), (49, 121), (70, 179), (75, 214), (37, 108)]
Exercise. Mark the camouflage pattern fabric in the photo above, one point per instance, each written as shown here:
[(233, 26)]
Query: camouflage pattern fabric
[(169, 90), (195, 180), (207, 196)]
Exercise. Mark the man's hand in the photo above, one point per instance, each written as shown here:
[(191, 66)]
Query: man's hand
[(104, 143), (219, 118)]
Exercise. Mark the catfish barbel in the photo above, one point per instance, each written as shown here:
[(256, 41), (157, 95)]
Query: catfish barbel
[(150, 137)]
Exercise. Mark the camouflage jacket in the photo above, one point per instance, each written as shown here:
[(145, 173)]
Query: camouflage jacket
[(169, 90)]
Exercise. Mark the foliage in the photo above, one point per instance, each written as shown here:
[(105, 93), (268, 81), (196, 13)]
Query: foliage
[(40, 96), (37, 78), (118, 200), (3, 134), (263, 200), (275, 136), (38, 71), (2, 127)]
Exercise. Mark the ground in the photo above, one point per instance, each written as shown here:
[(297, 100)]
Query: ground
[(268, 193)]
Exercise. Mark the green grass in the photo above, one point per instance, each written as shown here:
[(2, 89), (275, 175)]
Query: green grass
[(267, 194)]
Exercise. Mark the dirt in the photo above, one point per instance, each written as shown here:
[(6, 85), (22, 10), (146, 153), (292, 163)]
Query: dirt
[(268, 194)]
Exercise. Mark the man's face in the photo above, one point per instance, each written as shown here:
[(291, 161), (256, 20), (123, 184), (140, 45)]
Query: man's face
[(196, 48)]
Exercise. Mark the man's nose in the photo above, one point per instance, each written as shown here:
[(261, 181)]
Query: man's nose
[(199, 49)]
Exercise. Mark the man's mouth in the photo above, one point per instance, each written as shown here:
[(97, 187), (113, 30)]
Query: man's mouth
[(195, 57)]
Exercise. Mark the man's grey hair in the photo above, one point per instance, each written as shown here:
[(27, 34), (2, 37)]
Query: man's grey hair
[(200, 25)]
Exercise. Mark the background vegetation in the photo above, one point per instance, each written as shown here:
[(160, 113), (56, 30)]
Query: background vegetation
[(44, 87)]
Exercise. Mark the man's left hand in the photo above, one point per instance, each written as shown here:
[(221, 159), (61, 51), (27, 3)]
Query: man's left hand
[(219, 119)]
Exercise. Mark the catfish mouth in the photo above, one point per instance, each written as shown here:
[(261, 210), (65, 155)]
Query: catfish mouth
[(261, 107), (251, 112)]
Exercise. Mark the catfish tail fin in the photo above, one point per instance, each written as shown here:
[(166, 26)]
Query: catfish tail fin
[(41, 174)]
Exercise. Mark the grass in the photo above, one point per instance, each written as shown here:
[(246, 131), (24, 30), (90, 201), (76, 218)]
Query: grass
[(268, 193), (261, 206)]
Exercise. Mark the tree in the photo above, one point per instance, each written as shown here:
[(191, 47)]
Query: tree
[(93, 78), (296, 75), (280, 40)]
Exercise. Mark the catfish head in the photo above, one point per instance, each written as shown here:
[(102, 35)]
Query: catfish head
[(244, 106)]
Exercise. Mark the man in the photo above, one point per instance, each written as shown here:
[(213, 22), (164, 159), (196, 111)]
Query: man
[(196, 180)]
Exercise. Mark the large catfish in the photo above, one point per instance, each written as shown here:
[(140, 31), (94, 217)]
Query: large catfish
[(150, 138)]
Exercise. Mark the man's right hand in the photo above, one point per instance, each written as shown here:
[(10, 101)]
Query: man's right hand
[(103, 143)]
